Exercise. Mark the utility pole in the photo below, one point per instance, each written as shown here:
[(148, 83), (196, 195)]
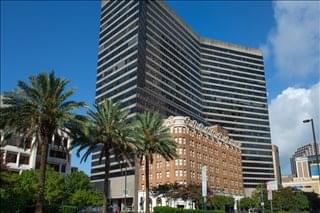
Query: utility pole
[(262, 199)]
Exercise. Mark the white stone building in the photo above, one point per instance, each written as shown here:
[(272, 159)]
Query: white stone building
[(16, 158)]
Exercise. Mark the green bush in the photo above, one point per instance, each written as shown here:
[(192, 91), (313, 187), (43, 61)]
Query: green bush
[(68, 209), (164, 209), (167, 209), (292, 211)]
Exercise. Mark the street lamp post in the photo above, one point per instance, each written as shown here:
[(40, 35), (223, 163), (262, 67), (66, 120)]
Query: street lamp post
[(315, 144)]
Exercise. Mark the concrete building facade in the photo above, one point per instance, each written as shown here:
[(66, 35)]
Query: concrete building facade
[(306, 184), (16, 158), (303, 162), (149, 59), (276, 164)]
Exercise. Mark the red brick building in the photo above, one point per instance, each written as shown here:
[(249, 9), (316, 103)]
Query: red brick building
[(197, 146)]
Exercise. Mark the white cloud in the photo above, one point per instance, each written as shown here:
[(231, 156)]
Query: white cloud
[(294, 42), (287, 111)]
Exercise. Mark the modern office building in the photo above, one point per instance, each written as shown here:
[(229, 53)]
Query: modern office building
[(149, 59), (276, 164), (304, 162)]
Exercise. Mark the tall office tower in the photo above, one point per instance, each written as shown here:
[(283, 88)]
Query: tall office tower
[(234, 96), (149, 59)]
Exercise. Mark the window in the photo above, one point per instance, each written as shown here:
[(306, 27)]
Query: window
[(58, 154), (11, 157), (167, 174), (54, 166), (63, 168), (180, 162), (24, 159)]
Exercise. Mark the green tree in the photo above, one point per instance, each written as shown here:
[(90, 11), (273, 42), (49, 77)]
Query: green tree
[(86, 197), (220, 201), (175, 191), (39, 109), (152, 137), (247, 203), (26, 187), (107, 129), (79, 192), (54, 187), (260, 195), (301, 201), (12, 200), (314, 201), (287, 199), (76, 181)]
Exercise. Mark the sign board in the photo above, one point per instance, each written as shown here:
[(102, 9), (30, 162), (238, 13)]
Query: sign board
[(204, 171), (272, 185), (269, 194)]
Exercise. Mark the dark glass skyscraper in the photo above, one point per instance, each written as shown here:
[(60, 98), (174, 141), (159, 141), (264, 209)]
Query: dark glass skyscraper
[(149, 59)]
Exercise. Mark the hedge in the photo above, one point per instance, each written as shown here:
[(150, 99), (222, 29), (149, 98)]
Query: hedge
[(167, 209)]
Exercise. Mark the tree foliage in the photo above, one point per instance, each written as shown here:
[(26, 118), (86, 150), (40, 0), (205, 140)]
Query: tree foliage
[(247, 203), (76, 181), (284, 199), (152, 137), (287, 199), (220, 202), (18, 192), (84, 197), (54, 187), (39, 109), (106, 129)]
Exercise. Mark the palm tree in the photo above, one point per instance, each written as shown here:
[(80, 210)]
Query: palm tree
[(107, 129), (39, 109), (152, 137)]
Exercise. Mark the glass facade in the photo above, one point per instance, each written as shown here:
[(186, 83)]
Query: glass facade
[(151, 60)]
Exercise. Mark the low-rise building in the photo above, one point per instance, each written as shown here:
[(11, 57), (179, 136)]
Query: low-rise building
[(17, 158), (14, 157), (306, 184), (197, 146)]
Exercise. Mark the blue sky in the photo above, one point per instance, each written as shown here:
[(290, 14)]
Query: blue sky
[(63, 36)]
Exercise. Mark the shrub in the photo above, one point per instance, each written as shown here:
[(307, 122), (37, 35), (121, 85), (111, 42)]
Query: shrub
[(68, 209), (167, 209)]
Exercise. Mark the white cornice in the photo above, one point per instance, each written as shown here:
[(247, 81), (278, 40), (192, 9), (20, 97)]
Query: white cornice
[(181, 121)]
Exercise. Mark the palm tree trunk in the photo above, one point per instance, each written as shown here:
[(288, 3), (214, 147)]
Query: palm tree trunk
[(42, 176), (106, 181), (147, 184)]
